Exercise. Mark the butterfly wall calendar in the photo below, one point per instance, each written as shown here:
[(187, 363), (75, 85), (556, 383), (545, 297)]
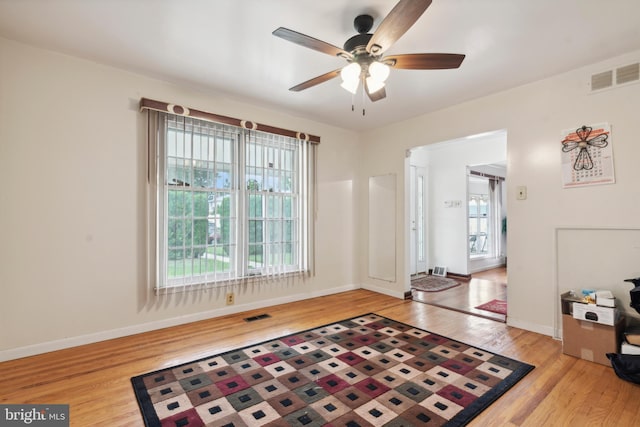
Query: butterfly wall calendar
[(587, 156)]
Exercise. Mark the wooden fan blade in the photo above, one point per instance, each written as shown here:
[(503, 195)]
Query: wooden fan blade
[(377, 95), (395, 24), (316, 80), (424, 61), (310, 42)]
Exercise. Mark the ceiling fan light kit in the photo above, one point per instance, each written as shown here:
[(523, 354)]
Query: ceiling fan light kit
[(350, 85), (364, 51), (378, 74), (379, 71), (350, 75), (374, 85)]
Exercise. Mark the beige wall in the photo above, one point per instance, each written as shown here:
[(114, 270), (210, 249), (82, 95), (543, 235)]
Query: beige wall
[(73, 214), (72, 202), (533, 116)]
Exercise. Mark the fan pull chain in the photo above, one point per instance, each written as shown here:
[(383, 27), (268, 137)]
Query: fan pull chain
[(364, 89)]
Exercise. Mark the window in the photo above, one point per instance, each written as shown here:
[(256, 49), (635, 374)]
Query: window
[(231, 203), (478, 224), (420, 219), (271, 171), (484, 207)]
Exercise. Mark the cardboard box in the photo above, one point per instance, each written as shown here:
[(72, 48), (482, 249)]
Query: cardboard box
[(595, 313), (567, 299), (589, 340)]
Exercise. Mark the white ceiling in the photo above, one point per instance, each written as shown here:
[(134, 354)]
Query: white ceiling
[(226, 47)]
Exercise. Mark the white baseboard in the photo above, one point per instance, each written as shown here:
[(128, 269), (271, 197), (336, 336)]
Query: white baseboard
[(45, 347), (495, 263), (48, 346), (528, 326), (384, 291)]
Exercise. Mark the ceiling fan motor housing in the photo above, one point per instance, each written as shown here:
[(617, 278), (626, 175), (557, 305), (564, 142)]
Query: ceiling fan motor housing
[(358, 43), (363, 23)]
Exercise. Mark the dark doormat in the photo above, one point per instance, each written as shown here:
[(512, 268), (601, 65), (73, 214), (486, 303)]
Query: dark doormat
[(433, 283)]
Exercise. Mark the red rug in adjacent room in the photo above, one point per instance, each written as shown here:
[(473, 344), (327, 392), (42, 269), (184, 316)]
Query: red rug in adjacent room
[(495, 306)]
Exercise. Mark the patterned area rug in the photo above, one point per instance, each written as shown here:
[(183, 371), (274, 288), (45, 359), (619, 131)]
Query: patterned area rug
[(364, 371), (432, 283), (494, 306)]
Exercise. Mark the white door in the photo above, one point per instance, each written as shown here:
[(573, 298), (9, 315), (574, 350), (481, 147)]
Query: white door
[(418, 219)]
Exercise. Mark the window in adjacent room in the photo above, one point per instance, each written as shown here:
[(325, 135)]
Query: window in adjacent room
[(478, 224), (484, 207)]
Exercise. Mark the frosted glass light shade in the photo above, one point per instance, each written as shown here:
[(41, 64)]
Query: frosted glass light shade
[(374, 85), (351, 85), (379, 71), (351, 72)]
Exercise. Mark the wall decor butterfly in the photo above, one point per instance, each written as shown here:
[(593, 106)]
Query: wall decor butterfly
[(581, 140)]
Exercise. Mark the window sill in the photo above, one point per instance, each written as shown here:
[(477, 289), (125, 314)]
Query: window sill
[(173, 289)]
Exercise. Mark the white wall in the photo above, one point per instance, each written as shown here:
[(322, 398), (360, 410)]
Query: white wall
[(73, 171), (533, 116)]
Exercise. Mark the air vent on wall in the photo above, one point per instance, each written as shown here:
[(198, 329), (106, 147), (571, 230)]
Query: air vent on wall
[(623, 75), (628, 74), (602, 80), (440, 271)]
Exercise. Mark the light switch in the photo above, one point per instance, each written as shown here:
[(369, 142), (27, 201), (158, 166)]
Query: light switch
[(521, 192)]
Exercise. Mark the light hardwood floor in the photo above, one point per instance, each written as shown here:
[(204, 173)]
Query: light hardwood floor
[(498, 274), (95, 379), (481, 288)]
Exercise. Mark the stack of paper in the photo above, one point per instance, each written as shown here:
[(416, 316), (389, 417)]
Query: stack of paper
[(605, 299)]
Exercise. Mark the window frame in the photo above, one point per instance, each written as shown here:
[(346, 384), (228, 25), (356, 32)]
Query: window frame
[(479, 219), (240, 194), (491, 193)]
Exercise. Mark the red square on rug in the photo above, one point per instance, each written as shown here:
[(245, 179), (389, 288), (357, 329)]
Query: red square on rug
[(495, 306)]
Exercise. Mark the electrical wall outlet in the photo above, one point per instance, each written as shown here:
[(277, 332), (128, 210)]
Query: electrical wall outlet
[(231, 298)]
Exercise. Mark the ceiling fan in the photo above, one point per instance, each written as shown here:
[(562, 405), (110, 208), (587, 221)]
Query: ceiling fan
[(364, 51)]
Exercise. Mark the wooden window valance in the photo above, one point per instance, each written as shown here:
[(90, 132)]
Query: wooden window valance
[(150, 104)]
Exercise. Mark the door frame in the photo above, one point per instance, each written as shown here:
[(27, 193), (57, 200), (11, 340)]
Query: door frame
[(417, 265)]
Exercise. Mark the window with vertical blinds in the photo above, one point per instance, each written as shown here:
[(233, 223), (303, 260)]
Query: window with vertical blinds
[(231, 203)]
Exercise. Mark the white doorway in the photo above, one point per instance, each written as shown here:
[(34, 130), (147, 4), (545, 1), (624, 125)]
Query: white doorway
[(444, 169), (418, 219)]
